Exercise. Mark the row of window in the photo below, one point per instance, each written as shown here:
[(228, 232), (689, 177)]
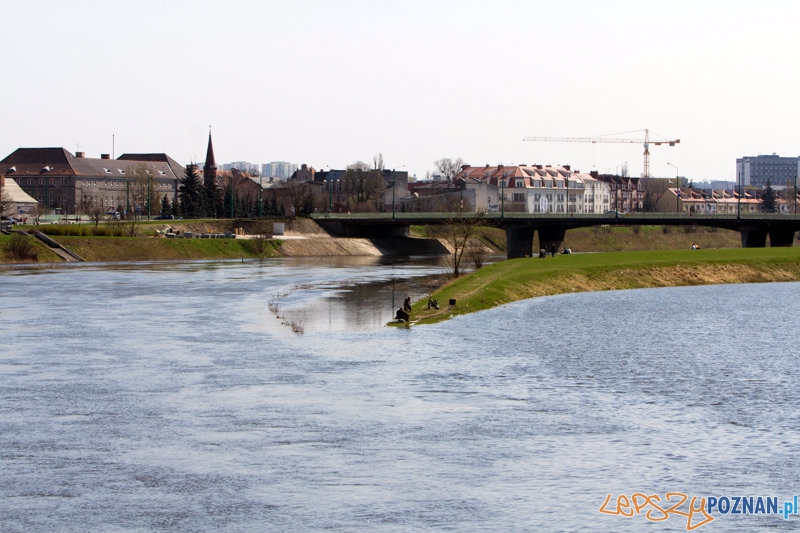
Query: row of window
[(159, 184), (519, 184)]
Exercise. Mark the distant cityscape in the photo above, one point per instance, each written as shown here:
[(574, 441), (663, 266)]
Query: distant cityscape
[(53, 181), (275, 169), (751, 171)]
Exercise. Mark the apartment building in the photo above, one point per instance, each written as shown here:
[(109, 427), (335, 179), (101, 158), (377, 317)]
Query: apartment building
[(63, 182)]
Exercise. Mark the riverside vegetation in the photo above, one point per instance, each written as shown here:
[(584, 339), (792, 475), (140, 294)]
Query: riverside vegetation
[(648, 256)]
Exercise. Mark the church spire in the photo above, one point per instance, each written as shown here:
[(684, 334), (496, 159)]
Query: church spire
[(210, 166), (210, 163)]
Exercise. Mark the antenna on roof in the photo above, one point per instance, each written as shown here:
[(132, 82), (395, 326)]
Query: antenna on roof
[(113, 154)]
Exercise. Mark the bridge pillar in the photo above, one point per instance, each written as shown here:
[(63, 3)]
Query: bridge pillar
[(550, 237), (781, 237), (519, 242), (754, 238)]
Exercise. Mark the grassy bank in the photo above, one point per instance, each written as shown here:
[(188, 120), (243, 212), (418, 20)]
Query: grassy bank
[(160, 249), (121, 249), (620, 238), (517, 279)]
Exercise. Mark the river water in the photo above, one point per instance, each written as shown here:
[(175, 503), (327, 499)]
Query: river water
[(269, 396)]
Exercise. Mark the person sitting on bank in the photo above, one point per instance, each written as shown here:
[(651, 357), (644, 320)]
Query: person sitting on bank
[(402, 315)]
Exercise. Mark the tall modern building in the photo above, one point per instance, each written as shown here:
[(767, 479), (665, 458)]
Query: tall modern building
[(781, 172), (243, 166), (278, 169)]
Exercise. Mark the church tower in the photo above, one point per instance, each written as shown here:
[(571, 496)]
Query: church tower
[(210, 166)]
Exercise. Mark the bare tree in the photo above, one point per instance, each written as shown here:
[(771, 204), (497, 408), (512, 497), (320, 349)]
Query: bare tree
[(96, 214), (262, 233), (5, 198), (358, 165), (458, 232), (448, 168), (143, 194), (299, 195), (38, 211), (363, 185), (130, 225), (476, 253)]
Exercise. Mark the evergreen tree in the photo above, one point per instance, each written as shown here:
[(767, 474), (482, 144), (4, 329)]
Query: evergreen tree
[(227, 198), (165, 207), (768, 200), (189, 193), (212, 200)]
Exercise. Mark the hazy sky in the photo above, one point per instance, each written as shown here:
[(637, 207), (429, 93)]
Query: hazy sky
[(328, 83)]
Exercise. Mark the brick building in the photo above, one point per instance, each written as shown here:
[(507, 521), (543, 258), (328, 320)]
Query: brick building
[(65, 183)]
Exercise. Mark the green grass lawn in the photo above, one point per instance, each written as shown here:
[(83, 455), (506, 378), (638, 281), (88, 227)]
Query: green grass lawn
[(516, 279)]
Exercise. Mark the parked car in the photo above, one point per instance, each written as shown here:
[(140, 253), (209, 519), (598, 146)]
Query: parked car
[(165, 217)]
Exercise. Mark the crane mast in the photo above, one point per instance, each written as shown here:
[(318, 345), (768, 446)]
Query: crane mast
[(610, 139)]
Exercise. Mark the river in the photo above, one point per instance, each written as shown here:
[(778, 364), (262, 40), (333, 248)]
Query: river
[(269, 396)]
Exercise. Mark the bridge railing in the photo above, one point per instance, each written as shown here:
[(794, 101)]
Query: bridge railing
[(494, 216)]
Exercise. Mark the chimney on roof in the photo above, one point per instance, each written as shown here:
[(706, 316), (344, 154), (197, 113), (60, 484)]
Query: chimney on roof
[(566, 167), (79, 155), (105, 156)]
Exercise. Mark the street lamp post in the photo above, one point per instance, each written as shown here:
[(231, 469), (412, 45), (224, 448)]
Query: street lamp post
[(260, 198), (502, 198), (677, 189), (739, 198)]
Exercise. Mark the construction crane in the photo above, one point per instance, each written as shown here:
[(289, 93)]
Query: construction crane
[(611, 139)]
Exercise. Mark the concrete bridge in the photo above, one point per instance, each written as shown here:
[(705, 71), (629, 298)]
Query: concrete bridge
[(551, 228)]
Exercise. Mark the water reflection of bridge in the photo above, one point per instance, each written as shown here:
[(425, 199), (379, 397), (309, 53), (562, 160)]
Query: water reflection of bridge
[(520, 227)]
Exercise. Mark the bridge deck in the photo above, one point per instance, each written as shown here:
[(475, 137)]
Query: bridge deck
[(520, 227)]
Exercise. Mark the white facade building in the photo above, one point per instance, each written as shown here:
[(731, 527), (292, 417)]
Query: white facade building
[(541, 189), (278, 169)]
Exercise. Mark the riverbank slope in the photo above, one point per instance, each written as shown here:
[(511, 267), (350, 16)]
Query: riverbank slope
[(304, 238), (518, 279)]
